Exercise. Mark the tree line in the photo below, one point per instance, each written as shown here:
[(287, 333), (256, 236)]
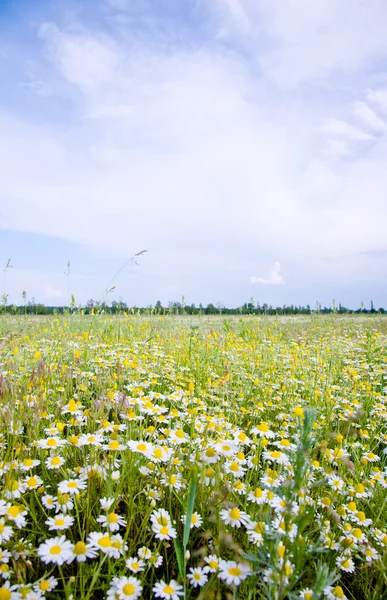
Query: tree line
[(181, 308)]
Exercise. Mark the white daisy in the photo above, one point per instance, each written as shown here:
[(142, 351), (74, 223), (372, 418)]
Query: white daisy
[(59, 522), (56, 550), (197, 577), (232, 572), (234, 517), (168, 591)]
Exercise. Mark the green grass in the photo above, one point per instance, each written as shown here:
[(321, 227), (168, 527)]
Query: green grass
[(188, 386)]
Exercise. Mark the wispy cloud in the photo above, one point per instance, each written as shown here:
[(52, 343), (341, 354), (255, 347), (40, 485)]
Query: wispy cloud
[(275, 277), (253, 121)]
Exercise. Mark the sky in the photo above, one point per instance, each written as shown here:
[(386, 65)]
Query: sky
[(242, 143)]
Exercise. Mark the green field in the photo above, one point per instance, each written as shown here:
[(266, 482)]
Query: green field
[(203, 457)]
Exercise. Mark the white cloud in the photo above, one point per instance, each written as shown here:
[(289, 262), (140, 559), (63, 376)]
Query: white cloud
[(189, 151), (275, 277), (50, 292), (368, 117), (338, 128), (298, 40)]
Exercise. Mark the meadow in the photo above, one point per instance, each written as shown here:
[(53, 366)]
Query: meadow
[(178, 457)]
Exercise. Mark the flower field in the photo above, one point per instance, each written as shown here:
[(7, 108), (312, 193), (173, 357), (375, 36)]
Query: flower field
[(209, 458)]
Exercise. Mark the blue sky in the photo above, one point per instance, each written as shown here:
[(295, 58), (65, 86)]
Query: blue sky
[(241, 142)]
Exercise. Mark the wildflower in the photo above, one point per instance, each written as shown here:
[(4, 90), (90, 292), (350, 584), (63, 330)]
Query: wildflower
[(232, 572), (156, 560), (16, 514), (196, 520), (306, 594), (234, 517), (168, 591), (91, 439), (210, 456), (63, 503), (14, 490), (72, 486), (54, 462), (234, 468), (228, 450), (112, 521), (345, 563), (197, 577), (33, 482), (263, 431), (6, 532), (82, 551), (51, 443), (163, 532), (212, 563), (140, 447), (172, 481), (370, 554), (135, 565), (124, 588), (335, 593), (257, 496), (276, 456), (106, 503), (29, 464), (8, 592), (56, 550), (59, 522), (336, 483), (46, 585), (360, 491), (255, 531), (144, 553)]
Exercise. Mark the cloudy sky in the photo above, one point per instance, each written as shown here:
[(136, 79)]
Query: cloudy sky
[(241, 142)]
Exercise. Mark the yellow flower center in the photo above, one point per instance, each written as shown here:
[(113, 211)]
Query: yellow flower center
[(5, 594), (72, 484), (158, 453), (128, 589), (168, 589), (210, 452), (55, 460), (234, 466), (80, 548), (55, 549), (112, 518), (141, 447), (105, 542), (51, 442), (164, 530), (234, 571), (32, 481), (44, 586), (275, 454), (357, 533), (338, 592), (13, 511), (59, 522), (235, 513)]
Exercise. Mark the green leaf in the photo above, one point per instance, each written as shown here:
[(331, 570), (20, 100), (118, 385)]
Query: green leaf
[(180, 558), (190, 508)]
